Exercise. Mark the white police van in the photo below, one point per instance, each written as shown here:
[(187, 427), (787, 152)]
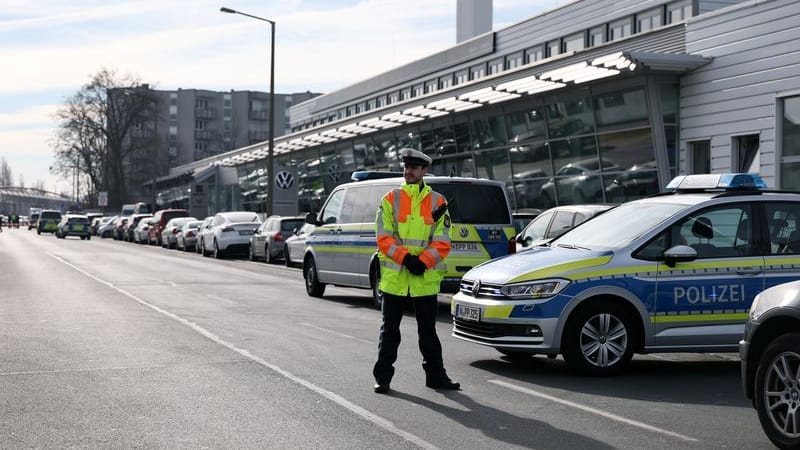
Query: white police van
[(674, 272)]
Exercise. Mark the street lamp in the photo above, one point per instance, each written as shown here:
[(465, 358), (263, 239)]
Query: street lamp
[(270, 154)]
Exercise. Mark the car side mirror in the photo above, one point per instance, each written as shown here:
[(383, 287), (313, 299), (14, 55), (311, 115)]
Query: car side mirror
[(294, 230), (679, 253), (312, 219)]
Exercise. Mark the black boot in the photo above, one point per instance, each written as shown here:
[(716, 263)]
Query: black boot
[(443, 382), (381, 388)]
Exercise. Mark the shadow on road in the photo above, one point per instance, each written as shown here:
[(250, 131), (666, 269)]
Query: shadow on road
[(502, 426), (692, 382)]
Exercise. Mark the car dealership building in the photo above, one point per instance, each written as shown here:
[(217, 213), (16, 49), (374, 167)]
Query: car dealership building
[(594, 101)]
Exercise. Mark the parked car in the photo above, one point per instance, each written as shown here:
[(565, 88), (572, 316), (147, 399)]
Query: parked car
[(105, 228), (33, 220), (295, 246), (73, 225), (577, 182), (229, 232), (159, 221), (171, 229), (142, 231), (268, 240), (556, 221), (770, 354), (205, 229), (131, 226), (522, 217), (186, 239), (638, 181), (119, 227)]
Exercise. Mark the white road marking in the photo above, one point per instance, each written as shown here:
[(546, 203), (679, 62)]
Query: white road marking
[(341, 401), (591, 410), (91, 369), (336, 333)]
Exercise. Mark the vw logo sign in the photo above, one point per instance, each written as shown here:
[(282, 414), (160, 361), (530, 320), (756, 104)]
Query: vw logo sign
[(463, 232), (476, 288), (333, 172), (284, 179)]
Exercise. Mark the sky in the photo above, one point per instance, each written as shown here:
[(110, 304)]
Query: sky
[(50, 48)]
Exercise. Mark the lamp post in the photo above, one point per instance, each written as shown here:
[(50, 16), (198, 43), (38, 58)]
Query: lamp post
[(270, 153)]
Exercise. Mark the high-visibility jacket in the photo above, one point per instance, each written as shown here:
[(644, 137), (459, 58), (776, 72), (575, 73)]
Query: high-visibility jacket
[(404, 224)]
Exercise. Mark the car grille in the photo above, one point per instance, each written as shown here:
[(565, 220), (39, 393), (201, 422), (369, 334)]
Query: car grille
[(489, 330), (485, 290)]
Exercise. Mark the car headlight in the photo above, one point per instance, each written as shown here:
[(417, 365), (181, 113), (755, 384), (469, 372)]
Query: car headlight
[(535, 289)]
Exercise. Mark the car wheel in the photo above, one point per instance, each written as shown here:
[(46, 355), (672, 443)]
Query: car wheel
[(313, 287), (88, 238), (268, 255), (599, 339), (287, 260), (250, 255), (217, 251), (777, 391), (38, 231), (375, 283)]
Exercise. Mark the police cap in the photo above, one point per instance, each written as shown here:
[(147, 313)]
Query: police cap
[(415, 157)]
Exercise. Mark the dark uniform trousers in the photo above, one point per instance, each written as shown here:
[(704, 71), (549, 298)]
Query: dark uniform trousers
[(426, 309)]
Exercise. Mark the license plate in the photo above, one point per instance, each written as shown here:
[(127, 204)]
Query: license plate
[(246, 233), (464, 247), (468, 313)]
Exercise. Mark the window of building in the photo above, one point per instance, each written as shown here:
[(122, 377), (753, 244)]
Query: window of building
[(575, 42), (199, 124), (226, 102), (418, 90), (370, 105), (173, 99), (745, 156), (462, 76), (553, 48), (789, 140), (679, 11), (514, 60), (477, 72), (446, 81), (405, 94), (258, 105), (430, 86), (200, 146), (619, 29), (649, 20), (201, 103), (534, 54), (699, 157), (393, 98), (496, 66), (597, 36)]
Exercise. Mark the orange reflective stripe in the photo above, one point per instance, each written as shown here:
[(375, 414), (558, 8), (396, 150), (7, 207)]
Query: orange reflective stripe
[(429, 258), (404, 208), (440, 247)]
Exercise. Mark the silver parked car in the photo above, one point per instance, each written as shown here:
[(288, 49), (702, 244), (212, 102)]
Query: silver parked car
[(187, 235), (268, 241), (295, 246), (169, 236), (770, 353), (142, 231)]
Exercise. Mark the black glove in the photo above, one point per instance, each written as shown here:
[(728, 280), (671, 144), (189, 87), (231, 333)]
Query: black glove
[(414, 265)]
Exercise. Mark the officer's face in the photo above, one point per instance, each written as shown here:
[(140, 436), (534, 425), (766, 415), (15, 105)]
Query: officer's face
[(413, 173)]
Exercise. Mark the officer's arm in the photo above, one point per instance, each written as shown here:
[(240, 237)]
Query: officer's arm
[(384, 231), (439, 247)]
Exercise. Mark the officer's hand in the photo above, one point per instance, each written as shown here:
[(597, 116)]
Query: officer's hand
[(414, 265)]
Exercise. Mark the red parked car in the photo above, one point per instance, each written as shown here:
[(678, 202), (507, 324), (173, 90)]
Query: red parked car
[(159, 220)]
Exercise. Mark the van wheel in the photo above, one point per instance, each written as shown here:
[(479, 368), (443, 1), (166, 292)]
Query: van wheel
[(313, 287), (775, 395), (375, 282), (599, 339)]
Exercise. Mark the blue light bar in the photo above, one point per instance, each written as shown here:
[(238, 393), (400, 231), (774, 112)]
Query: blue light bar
[(725, 181), (364, 175)]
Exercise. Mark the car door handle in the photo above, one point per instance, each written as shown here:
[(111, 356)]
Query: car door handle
[(338, 231), (749, 271)]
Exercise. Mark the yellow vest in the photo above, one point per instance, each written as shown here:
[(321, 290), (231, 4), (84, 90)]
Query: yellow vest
[(405, 225)]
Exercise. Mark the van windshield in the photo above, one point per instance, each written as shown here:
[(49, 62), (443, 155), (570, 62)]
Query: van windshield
[(475, 203)]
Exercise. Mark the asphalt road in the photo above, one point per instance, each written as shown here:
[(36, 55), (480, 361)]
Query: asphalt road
[(110, 344)]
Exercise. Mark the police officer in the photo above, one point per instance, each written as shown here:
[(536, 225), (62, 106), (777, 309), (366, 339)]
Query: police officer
[(413, 234)]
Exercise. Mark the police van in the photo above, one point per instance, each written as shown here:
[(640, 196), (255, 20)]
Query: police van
[(674, 272), (342, 249)]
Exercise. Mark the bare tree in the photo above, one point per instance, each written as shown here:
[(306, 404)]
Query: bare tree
[(21, 180), (6, 175), (93, 136)]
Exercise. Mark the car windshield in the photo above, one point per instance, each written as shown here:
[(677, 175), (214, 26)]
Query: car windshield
[(291, 225), (618, 227), (241, 217)]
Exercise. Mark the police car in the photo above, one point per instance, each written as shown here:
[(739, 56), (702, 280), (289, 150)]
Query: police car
[(674, 272)]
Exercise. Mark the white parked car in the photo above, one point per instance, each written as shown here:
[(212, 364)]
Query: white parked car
[(142, 231), (229, 232), (205, 229), (187, 235), (169, 236), (296, 246)]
